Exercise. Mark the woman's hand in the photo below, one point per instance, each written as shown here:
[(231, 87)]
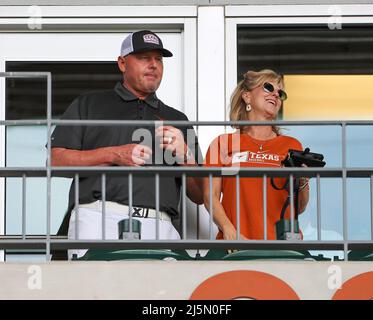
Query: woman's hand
[(230, 233), (304, 189), (304, 181)]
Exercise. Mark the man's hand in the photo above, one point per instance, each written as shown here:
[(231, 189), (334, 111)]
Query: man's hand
[(131, 155), (172, 139)]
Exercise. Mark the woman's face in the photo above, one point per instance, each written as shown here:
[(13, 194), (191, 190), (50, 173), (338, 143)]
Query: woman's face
[(263, 102)]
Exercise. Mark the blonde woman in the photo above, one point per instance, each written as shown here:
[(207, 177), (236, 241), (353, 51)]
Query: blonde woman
[(258, 97)]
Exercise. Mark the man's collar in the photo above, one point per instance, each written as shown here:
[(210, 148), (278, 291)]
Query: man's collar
[(127, 95)]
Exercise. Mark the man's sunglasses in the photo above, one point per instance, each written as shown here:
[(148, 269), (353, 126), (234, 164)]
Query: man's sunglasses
[(268, 87)]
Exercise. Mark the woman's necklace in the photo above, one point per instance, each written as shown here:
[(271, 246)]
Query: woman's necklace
[(260, 145)]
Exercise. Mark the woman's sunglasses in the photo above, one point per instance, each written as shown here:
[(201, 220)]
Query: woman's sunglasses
[(268, 87)]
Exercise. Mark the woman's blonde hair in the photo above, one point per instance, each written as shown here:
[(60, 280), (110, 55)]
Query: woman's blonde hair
[(251, 80)]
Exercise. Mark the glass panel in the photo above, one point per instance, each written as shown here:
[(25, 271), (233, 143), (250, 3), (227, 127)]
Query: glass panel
[(27, 98), (305, 50), (328, 75), (25, 146)]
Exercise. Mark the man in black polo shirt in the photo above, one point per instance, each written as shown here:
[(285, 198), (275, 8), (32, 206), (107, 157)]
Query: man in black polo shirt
[(141, 62)]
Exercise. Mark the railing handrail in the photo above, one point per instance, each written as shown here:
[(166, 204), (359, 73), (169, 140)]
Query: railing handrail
[(337, 172), (60, 244), (187, 123)]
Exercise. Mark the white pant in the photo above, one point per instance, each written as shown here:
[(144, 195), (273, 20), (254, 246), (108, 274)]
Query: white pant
[(90, 227)]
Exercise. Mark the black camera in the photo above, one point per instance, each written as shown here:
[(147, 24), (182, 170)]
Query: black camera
[(296, 158)]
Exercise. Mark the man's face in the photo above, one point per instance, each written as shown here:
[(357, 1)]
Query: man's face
[(142, 72)]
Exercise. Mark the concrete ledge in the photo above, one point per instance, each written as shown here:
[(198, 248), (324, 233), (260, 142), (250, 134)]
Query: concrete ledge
[(174, 279)]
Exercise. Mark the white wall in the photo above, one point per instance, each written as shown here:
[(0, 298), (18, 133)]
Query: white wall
[(170, 279), (208, 44), (176, 2)]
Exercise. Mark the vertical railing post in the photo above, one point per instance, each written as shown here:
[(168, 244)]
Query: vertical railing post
[(49, 155), (103, 197), (24, 206), (211, 207), (184, 211), (344, 190), (157, 205), (371, 206), (292, 215), (265, 206), (76, 207), (238, 206), (318, 199), (130, 201)]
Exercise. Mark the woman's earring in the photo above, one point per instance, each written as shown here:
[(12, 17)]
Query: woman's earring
[(248, 107)]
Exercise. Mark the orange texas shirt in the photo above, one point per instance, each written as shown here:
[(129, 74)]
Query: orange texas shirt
[(241, 150)]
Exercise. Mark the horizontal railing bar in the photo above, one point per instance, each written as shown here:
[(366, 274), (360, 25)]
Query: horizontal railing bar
[(42, 237), (23, 122), (211, 123), (25, 251), (24, 74), (31, 237), (15, 172), (28, 244), (192, 171), (186, 244), (359, 246), (186, 123)]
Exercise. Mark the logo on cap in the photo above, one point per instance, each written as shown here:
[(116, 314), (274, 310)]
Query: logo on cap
[(151, 38)]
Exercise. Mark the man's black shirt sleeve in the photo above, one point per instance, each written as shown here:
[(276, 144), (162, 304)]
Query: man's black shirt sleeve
[(69, 137)]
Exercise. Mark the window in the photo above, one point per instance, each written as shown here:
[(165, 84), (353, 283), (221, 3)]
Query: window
[(25, 145), (328, 75)]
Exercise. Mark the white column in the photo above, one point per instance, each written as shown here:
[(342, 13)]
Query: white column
[(211, 71), (189, 65), (231, 60), (2, 152), (211, 83)]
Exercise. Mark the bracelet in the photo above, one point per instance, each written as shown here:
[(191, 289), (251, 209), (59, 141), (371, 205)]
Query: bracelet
[(303, 186), (188, 155)]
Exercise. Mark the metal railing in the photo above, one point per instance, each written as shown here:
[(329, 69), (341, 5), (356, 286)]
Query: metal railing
[(49, 242)]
